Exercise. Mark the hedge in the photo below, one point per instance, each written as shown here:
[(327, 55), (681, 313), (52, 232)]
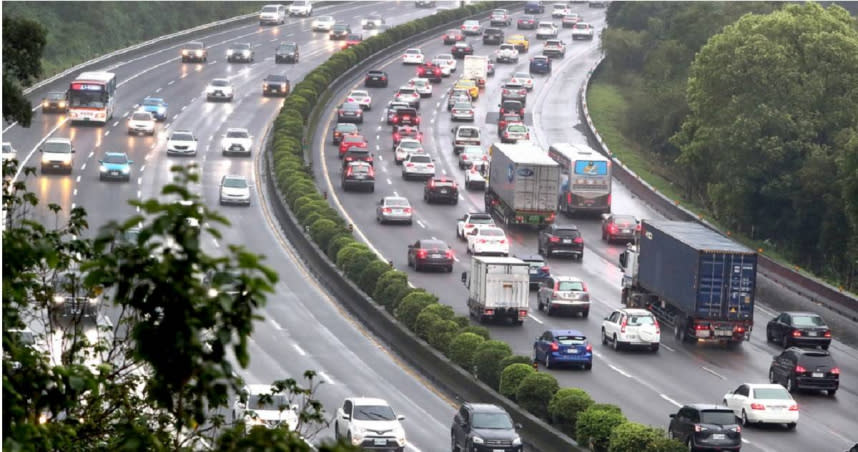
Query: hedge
[(512, 376), (462, 349), (515, 359), (411, 305), (594, 427), (371, 275), (487, 361), (424, 323), (443, 311), (481, 331), (535, 392), (565, 406), (442, 333), (322, 230), (634, 437), (336, 244)]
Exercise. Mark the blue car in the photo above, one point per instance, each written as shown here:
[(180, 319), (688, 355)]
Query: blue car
[(115, 166), (156, 106), (539, 270), (556, 347), (540, 65)]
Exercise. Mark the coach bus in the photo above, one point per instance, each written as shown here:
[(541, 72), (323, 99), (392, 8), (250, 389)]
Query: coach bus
[(92, 97), (585, 179)]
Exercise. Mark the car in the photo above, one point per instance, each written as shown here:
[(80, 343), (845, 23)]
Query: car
[(625, 228), (563, 293), (484, 427), (413, 56), (357, 154), (799, 328), (510, 107), (515, 132), (287, 52), (351, 140), (424, 3), (569, 20), (554, 48), (490, 68), (258, 405), (631, 327), (156, 106), (362, 97), (182, 142), (441, 189), (460, 49), (55, 102), (523, 78), (559, 10), (427, 253), (704, 426), (472, 154), (418, 165), (471, 221), (760, 403), (506, 53), (540, 64), (339, 31), (352, 40), (457, 96), (799, 368), (272, 15), (546, 30), (493, 36), (500, 17), (514, 91), (475, 178), (402, 132), (422, 85), (534, 8), (358, 175), (301, 8), (430, 71), (407, 146), (508, 119), (323, 23), (462, 111), (538, 269), (350, 112), (276, 85), (520, 42), (409, 95), (71, 300), (526, 22), (194, 51), (369, 423), (342, 129), (236, 140), (452, 36), (446, 62), (115, 166), (561, 239), (375, 79), (240, 51), (555, 347), (141, 122), (9, 152), (234, 189), (57, 155), (487, 240), (471, 27), (463, 136), (394, 209), (596, 4), (582, 30), (220, 89), (405, 115), (372, 22), (470, 85)]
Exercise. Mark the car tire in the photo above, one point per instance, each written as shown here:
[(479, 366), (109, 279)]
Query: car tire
[(548, 310), (772, 376), (744, 419), (604, 337), (588, 366), (654, 347), (547, 362), (585, 314), (831, 392), (615, 343), (450, 269), (416, 266), (790, 384), (769, 337), (785, 341), (791, 426)]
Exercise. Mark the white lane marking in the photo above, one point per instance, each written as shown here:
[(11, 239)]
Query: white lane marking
[(713, 372), (535, 319), (91, 153), (620, 371), (299, 350), (434, 238), (456, 259), (389, 182), (74, 193), (107, 133), (138, 209), (139, 180), (158, 90), (73, 206), (83, 167), (273, 40), (184, 107), (461, 198), (171, 82), (672, 402), (443, 171), (420, 223), (396, 194), (667, 347), (326, 377), (139, 194), (142, 168), (771, 313), (216, 243), (78, 179), (745, 441), (276, 325), (412, 447), (117, 122)]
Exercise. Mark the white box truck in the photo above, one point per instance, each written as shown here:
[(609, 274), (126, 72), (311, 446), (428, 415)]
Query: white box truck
[(498, 288), (476, 67), (523, 184)]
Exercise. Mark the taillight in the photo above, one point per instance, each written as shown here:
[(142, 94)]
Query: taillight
[(701, 327), (464, 156), (502, 241), (396, 137), (793, 407), (612, 228), (623, 325), (827, 334), (589, 348), (835, 371), (407, 210), (579, 240), (796, 333), (349, 171), (554, 347), (430, 165), (395, 119), (568, 198), (657, 327), (383, 78), (638, 227), (800, 369), (421, 253), (758, 406), (342, 111), (409, 164), (482, 241), (554, 239), (545, 269), (387, 210), (449, 254), (737, 429)]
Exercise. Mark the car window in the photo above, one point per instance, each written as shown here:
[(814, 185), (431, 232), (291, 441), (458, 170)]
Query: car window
[(492, 421), (233, 182), (237, 134), (566, 286), (269, 9), (444, 183), (373, 413), (481, 219), (573, 233), (276, 78), (467, 132), (141, 116), (641, 320), (267, 402), (813, 360), (407, 91), (807, 320), (489, 232), (360, 169), (182, 137), (396, 202), (772, 394), (57, 148), (115, 159), (571, 340), (220, 83), (517, 128), (717, 417), (420, 158)]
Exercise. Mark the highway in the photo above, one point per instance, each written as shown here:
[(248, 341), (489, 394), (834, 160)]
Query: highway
[(647, 386), (303, 328)]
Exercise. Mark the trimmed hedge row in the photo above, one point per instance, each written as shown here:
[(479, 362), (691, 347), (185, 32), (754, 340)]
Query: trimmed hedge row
[(469, 346)]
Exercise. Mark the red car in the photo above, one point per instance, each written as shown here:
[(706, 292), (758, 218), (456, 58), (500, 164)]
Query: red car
[(429, 71), (620, 227), (406, 132), (352, 140), (352, 40), (453, 36)]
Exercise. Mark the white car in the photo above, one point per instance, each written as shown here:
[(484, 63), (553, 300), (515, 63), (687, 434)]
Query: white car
[(554, 48), (372, 22), (257, 405), (301, 8), (474, 179), (487, 240), (545, 30), (506, 53), (631, 328), (471, 27), (220, 88), (559, 10), (756, 403), (513, 133), (582, 30), (407, 147), (9, 152), (422, 85), (272, 14), (361, 97), (141, 122), (323, 23), (57, 155), (447, 63), (413, 56), (409, 95), (236, 141), (418, 165), (523, 78), (471, 221), (182, 142), (234, 189), (369, 423)]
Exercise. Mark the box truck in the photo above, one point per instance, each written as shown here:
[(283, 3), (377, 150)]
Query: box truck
[(498, 288), (523, 184)]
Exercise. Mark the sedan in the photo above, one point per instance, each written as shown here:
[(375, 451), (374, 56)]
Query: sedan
[(430, 253), (362, 97), (115, 165), (350, 112), (452, 36), (392, 106), (56, 102), (620, 227), (220, 88), (182, 142), (352, 140), (156, 106), (234, 189), (515, 133), (352, 40), (375, 79), (392, 209), (422, 85), (404, 132), (141, 122), (431, 72), (522, 78), (413, 56), (526, 22), (323, 23), (471, 154), (569, 20), (763, 404), (240, 51), (471, 27), (563, 347), (462, 111), (799, 328), (237, 141), (406, 147), (506, 119), (446, 62), (342, 129), (487, 240), (460, 49)]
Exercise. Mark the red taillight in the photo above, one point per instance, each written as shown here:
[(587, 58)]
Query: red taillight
[(421, 253), (796, 333), (701, 327), (383, 78), (449, 254), (482, 241), (578, 240), (827, 334), (739, 329), (698, 428), (801, 369), (554, 347), (609, 196), (835, 371), (793, 407), (417, 120), (387, 210), (758, 406), (545, 269), (371, 170), (502, 241), (638, 227), (396, 137), (738, 429), (409, 164), (623, 325), (395, 119), (407, 210), (430, 165), (464, 156), (612, 228), (657, 327), (554, 239), (568, 198), (349, 171)]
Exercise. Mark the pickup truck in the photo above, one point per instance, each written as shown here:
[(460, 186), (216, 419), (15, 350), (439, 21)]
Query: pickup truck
[(506, 53)]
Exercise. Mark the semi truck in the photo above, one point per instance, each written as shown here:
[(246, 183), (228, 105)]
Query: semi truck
[(692, 278), (476, 67), (498, 289), (523, 184)]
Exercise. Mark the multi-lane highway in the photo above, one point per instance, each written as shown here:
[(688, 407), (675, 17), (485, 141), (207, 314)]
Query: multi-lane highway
[(304, 328), (647, 386)]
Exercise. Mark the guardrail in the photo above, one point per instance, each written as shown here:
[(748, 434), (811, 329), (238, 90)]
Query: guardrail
[(810, 287)]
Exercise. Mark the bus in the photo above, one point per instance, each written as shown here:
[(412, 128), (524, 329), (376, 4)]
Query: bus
[(585, 174), (92, 97)]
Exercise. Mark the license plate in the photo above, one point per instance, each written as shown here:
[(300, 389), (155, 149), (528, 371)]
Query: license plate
[(498, 450), (380, 442), (235, 147), (626, 231), (397, 211), (360, 176), (718, 436), (436, 256), (56, 165), (567, 241), (375, 78), (817, 375), (114, 173), (812, 333), (533, 271), (572, 351), (723, 332), (444, 191)]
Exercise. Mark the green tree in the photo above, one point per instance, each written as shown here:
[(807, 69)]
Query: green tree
[(23, 43), (595, 425), (535, 392), (462, 349), (487, 361), (634, 437), (565, 406), (511, 377)]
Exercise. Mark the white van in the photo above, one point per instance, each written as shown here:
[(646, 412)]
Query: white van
[(272, 15), (57, 155), (301, 8)]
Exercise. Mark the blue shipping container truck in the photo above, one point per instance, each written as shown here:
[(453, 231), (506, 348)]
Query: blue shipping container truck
[(694, 279)]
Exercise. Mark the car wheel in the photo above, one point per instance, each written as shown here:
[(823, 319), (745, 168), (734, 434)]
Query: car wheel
[(450, 269), (604, 337), (771, 376), (416, 265), (831, 392), (785, 341), (654, 347), (769, 337), (336, 431), (453, 446), (791, 426), (616, 343), (585, 314), (588, 366), (547, 361), (744, 419), (790, 385)]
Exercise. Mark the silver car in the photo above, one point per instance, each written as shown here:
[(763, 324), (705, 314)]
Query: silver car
[(471, 154), (394, 209), (462, 111), (234, 190)]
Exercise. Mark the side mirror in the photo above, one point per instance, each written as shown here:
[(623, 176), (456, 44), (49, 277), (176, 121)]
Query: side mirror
[(131, 162), (74, 150), (100, 161), (672, 415), (518, 426), (346, 417), (401, 417)]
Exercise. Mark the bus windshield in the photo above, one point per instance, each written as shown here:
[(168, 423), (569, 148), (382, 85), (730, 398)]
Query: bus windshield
[(86, 98)]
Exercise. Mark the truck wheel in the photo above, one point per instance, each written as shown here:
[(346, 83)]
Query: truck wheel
[(585, 314)]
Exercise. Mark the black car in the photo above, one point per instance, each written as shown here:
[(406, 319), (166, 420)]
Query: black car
[(350, 112), (430, 253), (375, 79), (799, 328), (481, 427), (526, 22), (493, 36), (539, 270), (460, 49), (340, 31), (798, 368), (561, 239), (54, 101), (706, 426), (287, 52), (405, 116), (343, 128), (239, 51), (276, 85), (194, 51), (359, 175), (357, 154), (534, 8), (441, 189), (71, 300), (392, 106)]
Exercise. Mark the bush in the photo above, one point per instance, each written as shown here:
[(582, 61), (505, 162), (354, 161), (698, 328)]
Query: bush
[(299, 187), (463, 321), (665, 444), (336, 244), (425, 322), (535, 392), (511, 377), (564, 408), (322, 230), (481, 331), (306, 199), (442, 334), (345, 254), (411, 305), (371, 274), (515, 359), (308, 208), (594, 427), (388, 294), (441, 310), (633, 437), (462, 349), (487, 360), (357, 263), (401, 295), (606, 407)]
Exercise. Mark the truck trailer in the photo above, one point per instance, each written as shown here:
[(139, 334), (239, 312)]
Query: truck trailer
[(498, 289), (692, 278), (523, 184)]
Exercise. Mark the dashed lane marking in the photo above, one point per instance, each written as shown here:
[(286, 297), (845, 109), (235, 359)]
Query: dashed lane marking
[(713, 372), (158, 90), (671, 401), (532, 317), (299, 350)]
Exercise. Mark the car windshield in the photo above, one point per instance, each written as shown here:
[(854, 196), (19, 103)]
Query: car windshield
[(354, 37), (7, 147), (444, 183), (540, 59), (624, 220), (419, 82), (772, 394), (420, 158), (287, 47), (194, 45), (373, 413), (325, 18), (234, 182), (182, 137), (524, 75), (267, 402), (276, 78), (570, 340), (240, 46), (813, 360), (641, 320), (152, 102), (492, 421), (570, 286), (413, 51), (444, 57), (139, 116), (467, 132), (114, 158), (490, 232), (269, 9), (57, 148), (717, 417), (580, 26), (473, 150), (56, 96), (359, 94), (481, 220), (220, 82), (807, 320), (566, 233), (408, 91), (351, 106), (299, 3), (237, 134), (516, 128), (353, 139), (553, 43), (396, 202), (341, 27), (346, 127), (409, 144), (506, 47), (462, 106)]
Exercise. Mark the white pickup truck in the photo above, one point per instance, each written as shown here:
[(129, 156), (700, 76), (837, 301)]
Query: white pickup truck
[(506, 53)]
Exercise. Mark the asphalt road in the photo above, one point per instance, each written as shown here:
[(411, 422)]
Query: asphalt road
[(647, 386)]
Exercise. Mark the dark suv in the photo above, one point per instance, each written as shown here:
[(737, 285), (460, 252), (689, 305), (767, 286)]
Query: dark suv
[(287, 52), (340, 31), (375, 78), (562, 239), (798, 368), (275, 85), (359, 175), (493, 36), (481, 427), (194, 51), (405, 117), (441, 189), (706, 426)]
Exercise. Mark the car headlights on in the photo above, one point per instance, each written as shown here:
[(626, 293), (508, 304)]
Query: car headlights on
[(184, 52), (102, 168), (477, 440), (516, 441), (246, 53), (46, 159), (229, 52), (125, 170)]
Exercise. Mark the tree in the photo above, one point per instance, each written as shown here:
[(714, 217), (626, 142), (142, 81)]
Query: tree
[(511, 377), (595, 425), (535, 392), (23, 43), (487, 361)]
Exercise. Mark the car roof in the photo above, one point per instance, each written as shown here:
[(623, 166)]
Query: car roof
[(62, 140), (181, 131), (116, 154), (635, 311), (707, 406), (237, 129), (434, 242), (801, 313), (485, 407), (479, 214), (360, 401), (764, 386), (805, 351), (567, 278), (392, 198), (235, 176), (566, 227), (567, 333)]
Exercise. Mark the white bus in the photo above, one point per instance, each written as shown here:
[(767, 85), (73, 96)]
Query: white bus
[(585, 184), (92, 97)]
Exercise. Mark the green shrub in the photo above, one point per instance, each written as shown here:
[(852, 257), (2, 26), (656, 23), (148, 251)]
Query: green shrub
[(299, 187), (442, 333), (463, 321), (301, 104), (594, 427), (322, 230), (462, 348), (386, 295), (388, 277), (425, 322), (633, 437), (411, 305), (306, 199), (564, 408), (515, 359), (478, 330), (371, 274), (356, 265), (511, 377), (346, 253), (441, 310), (535, 392), (294, 128), (307, 209), (487, 360), (665, 444), (337, 244), (606, 407)]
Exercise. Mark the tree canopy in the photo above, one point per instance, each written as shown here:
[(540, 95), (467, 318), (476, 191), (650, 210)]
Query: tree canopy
[(23, 43)]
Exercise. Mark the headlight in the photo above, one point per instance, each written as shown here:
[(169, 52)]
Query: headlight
[(516, 441), (265, 86), (161, 110), (62, 104), (125, 170), (477, 440), (46, 160), (102, 168), (229, 52), (93, 301), (246, 52), (184, 52), (45, 103)]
